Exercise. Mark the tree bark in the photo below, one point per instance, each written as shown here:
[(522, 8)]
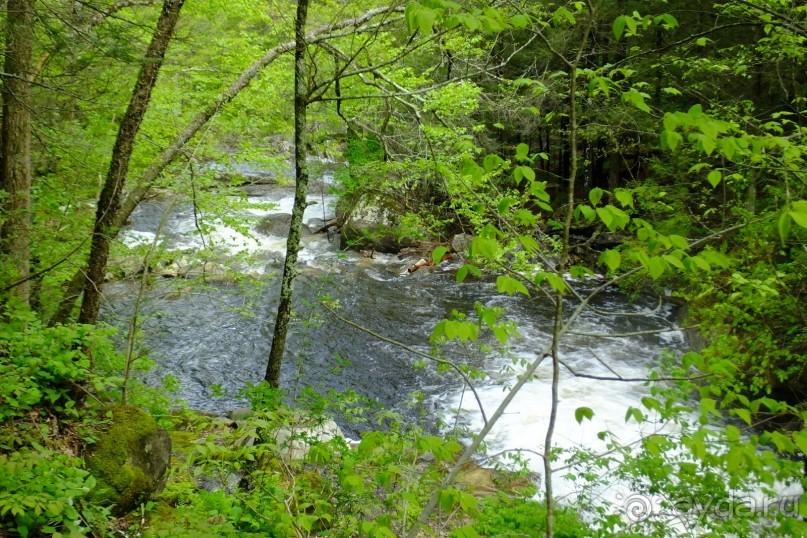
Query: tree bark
[(15, 143), (110, 200), (300, 194)]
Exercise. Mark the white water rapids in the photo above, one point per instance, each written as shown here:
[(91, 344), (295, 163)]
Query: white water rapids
[(204, 342)]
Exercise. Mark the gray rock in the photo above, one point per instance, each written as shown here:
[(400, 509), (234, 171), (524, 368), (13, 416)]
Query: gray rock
[(294, 442), (276, 224), (370, 226), (314, 225), (461, 243)]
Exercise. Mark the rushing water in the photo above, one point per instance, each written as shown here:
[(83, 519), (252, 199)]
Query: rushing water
[(216, 339)]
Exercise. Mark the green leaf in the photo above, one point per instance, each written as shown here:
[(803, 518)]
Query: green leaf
[(468, 268), (624, 196), (583, 413), (707, 144), (635, 414), (606, 217), (678, 241), (527, 172), (715, 258), (485, 247), (701, 263), (464, 532), (580, 271), (510, 286), (587, 211), (595, 195), (563, 14), (670, 20), (670, 122), (520, 21), (728, 147), (492, 162), (447, 499), (744, 414), (675, 262), (784, 226), (799, 213), (714, 177), (651, 403), (696, 168), (529, 243), (353, 483), (656, 267), (438, 253), (425, 20), (468, 502), (611, 258), (506, 203), (619, 27), (522, 150), (632, 25), (734, 459), (800, 438), (613, 217), (557, 283), (525, 217), (635, 98), (671, 139)]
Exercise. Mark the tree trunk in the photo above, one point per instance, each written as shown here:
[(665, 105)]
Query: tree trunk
[(73, 288), (614, 169), (110, 200), (300, 194), (15, 143)]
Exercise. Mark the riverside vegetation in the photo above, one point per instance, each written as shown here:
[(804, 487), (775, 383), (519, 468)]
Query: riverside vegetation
[(658, 146)]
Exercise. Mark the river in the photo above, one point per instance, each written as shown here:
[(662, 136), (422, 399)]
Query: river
[(215, 338)]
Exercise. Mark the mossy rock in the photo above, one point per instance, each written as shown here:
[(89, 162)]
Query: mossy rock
[(130, 460), (371, 225)]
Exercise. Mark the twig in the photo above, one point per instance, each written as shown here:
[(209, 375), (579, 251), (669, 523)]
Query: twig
[(414, 351)]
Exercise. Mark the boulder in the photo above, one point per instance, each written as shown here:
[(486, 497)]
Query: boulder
[(314, 225), (294, 442), (370, 226), (277, 224), (191, 268), (461, 243), (130, 460), (486, 481)]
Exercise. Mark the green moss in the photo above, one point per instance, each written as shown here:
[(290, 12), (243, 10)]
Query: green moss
[(119, 481), (182, 441)]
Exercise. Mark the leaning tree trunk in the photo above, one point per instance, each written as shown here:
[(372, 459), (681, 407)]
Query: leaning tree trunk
[(15, 143), (110, 200), (73, 288), (300, 194)]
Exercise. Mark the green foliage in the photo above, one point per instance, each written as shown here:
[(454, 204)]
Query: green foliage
[(41, 492), (505, 516), (45, 366)]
